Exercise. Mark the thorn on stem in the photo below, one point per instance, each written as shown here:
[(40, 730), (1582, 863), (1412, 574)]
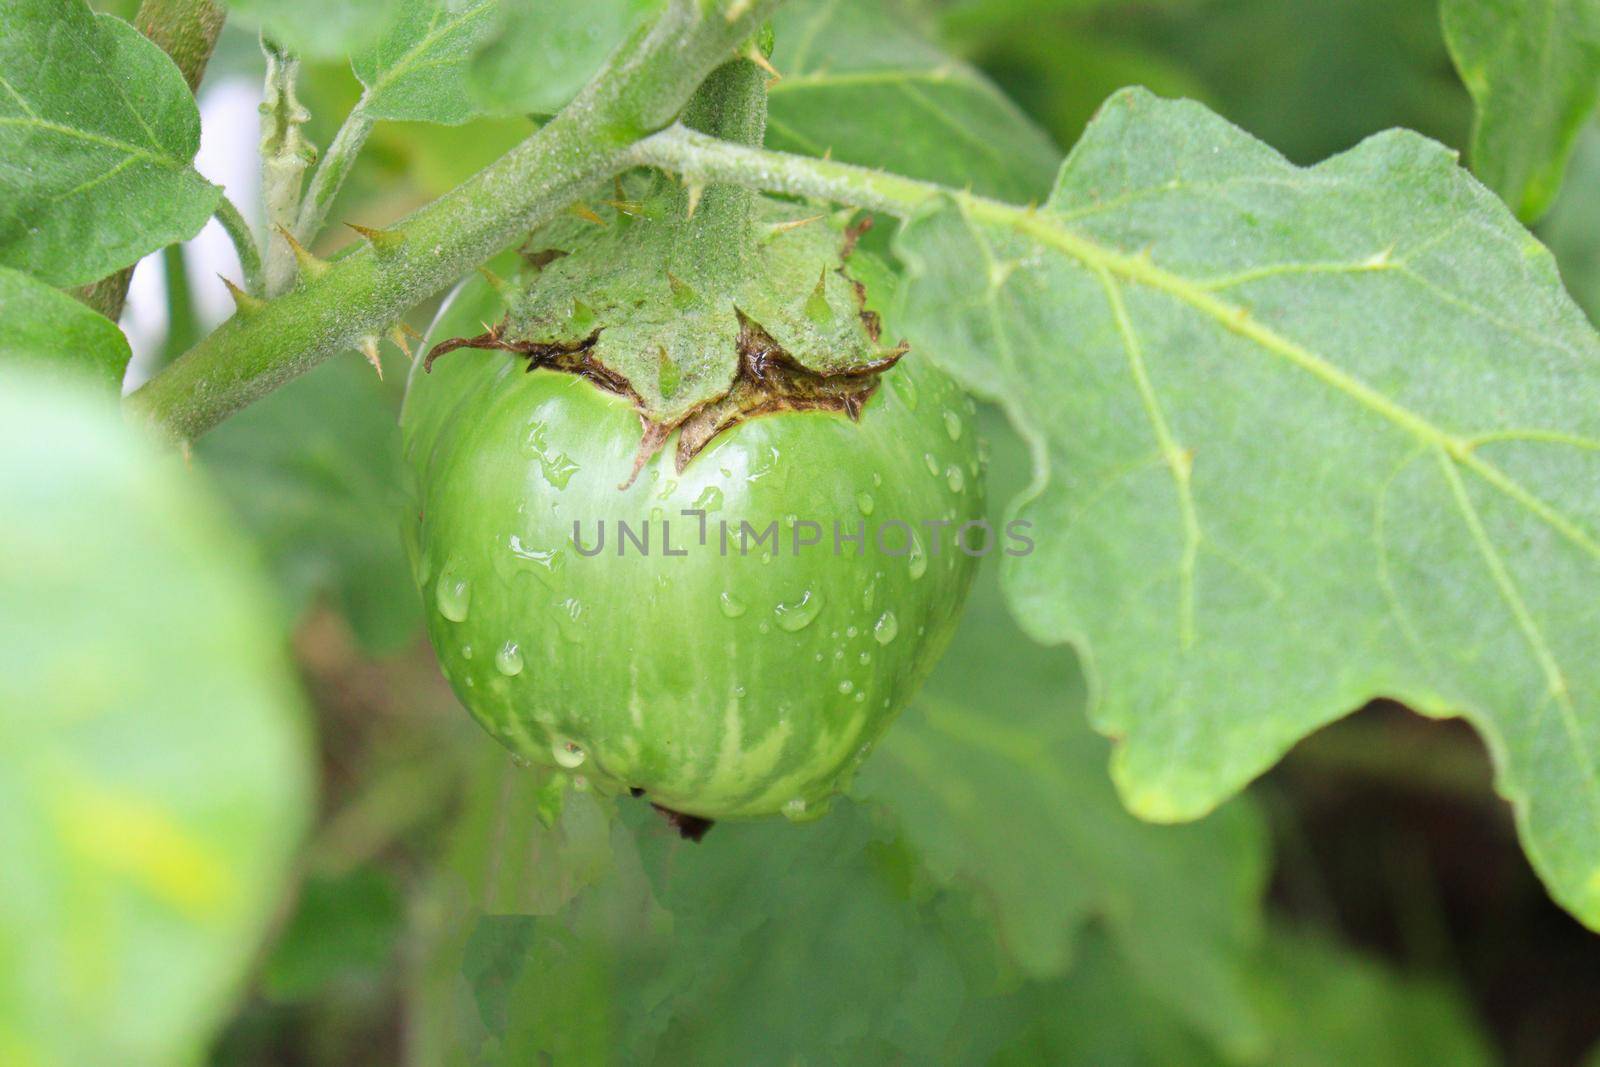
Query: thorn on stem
[(696, 190), (587, 214), (310, 265), (382, 240), (243, 302), (369, 348)]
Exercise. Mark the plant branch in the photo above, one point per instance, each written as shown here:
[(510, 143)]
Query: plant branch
[(331, 173), (698, 158), (187, 31), (244, 243), (731, 105), (641, 89)]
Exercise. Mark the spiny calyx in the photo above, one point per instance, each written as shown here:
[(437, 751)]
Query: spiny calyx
[(630, 306)]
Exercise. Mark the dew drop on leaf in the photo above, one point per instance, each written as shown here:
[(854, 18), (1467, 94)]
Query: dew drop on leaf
[(568, 754), (955, 479), (865, 502), (886, 629), (952, 425), (732, 606)]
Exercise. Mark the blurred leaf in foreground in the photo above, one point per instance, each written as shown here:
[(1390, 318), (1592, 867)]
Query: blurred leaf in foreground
[(154, 769)]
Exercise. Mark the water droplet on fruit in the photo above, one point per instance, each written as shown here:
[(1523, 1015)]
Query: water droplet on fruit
[(955, 479), (847, 686), (569, 754), (952, 425), (866, 658), (452, 594), (865, 502), (545, 557), (905, 389), (509, 659), (710, 499), (933, 463), (466, 651), (886, 629), (567, 616), (520, 760), (800, 614), (794, 809), (732, 606), (917, 559), (877, 479)]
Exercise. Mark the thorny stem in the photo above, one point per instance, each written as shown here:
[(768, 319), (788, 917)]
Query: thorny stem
[(244, 243), (730, 105), (641, 89), (187, 31)]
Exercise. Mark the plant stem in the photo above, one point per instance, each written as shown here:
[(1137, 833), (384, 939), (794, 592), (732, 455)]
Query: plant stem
[(187, 31), (331, 173), (285, 155), (244, 243), (706, 159), (731, 105), (642, 88)]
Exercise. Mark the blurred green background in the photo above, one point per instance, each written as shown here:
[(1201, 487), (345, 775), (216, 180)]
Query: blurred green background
[(983, 898)]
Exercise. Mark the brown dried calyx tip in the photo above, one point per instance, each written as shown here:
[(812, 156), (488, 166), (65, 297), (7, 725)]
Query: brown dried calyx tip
[(689, 827)]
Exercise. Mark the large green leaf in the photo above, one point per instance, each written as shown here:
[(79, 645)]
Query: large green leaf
[(859, 82), (154, 772), (996, 782), (1533, 68), (1304, 437), (321, 28), (46, 328), (547, 49), (97, 140), (418, 71)]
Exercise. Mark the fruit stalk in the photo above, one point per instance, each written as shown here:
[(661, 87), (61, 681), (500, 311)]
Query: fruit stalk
[(732, 106)]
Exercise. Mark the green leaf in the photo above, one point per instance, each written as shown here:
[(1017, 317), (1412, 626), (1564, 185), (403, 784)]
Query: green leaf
[(156, 772), (313, 473), (419, 70), (321, 29), (1533, 68), (99, 133), (1572, 228), (46, 328), (344, 928), (858, 80), (998, 787), (1325, 1007), (547, 49), (1304, 437)]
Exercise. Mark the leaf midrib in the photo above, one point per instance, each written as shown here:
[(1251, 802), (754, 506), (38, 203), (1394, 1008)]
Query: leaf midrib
[(1236, 319)]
